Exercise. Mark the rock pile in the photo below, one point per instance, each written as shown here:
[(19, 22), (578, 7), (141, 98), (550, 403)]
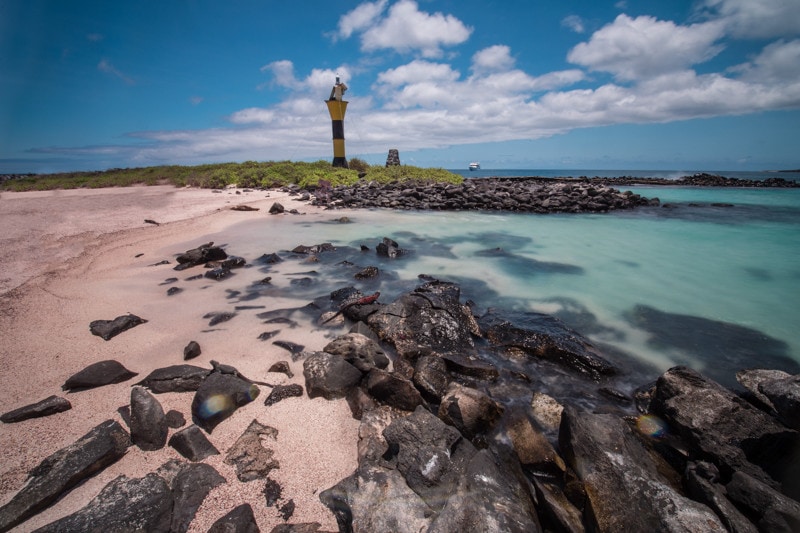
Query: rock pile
[(490, 194)]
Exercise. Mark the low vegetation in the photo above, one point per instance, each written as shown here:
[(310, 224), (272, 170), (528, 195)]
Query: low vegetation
[(252, 174)]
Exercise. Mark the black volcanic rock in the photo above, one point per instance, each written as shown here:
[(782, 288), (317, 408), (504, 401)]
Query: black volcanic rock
[(98, 374), (49, 406), (107, 329)]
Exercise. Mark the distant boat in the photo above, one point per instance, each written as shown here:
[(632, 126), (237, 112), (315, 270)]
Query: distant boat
[(474, 165)]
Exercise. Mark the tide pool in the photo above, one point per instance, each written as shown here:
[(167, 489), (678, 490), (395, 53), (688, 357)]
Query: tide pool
[(714, 287)]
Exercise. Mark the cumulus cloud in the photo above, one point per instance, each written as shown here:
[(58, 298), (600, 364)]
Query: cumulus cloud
[(755, 18), (404, 28), (778, 62), (493, 58), (642, 47)]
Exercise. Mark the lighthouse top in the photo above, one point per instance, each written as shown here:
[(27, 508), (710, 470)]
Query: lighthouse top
[(338, 90)]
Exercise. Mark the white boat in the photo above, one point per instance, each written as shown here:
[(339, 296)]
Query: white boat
[(474, 165)]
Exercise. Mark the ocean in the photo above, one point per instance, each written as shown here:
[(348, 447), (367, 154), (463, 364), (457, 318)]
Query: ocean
[(714, 287)]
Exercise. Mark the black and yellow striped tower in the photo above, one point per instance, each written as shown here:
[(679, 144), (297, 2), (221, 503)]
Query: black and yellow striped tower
[(337, 108)]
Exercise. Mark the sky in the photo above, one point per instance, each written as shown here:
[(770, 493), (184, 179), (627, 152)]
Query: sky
[(528, 84)]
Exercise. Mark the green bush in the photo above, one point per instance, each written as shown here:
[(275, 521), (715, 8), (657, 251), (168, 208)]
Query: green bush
[(254, 174)]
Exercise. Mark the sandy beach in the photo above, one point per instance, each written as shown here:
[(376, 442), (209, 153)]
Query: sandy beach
[(71, 257)]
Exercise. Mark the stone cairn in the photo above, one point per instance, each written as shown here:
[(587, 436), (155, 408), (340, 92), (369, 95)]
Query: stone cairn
[(393, 159)]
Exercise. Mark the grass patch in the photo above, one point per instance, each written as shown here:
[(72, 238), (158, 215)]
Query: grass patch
[(270, 174)]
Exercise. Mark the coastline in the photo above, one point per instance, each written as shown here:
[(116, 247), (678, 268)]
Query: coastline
[(73, 257)]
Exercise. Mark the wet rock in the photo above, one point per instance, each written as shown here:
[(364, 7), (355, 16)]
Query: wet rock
[(531, 446), (469, 410), (431, 378), (751, 378), (367, 273), (606, 456), (329, 376), (722, 428), (428, 319), (702, 484), (98, 374), (107, 329), (142, 504), (192, 443), (546, 411), (218, 274), (772, 511), (244, 207), (251, 459), (281, 392), (148, 422), (471, 366), (191, 350), (270, 259), (545, 337), (200, 255), (63, 470), (276, 209), (267, 335), (239, 520), (218, 397), (784, 394), (175, 378), (392, 389), (49, 406), (358, 350), (219, 317), (557, 512)]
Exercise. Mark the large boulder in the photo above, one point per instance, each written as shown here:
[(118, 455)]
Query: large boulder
[(608, 457), (428, 319), (63, 470), (722, 428), (393, 389), (358, 350), (218, 397), (469, 410), (142, 504), (544, 336), (771, 510), (329, 376), (784, 394), (200, 255)]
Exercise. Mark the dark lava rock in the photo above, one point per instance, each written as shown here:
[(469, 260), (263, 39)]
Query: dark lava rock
[(270, 259), (702, 484), (428, 319), (251, 459), (192, 443), (200, 255), (218, 397), (367, 273), (292, 347), (281, 392), (608, 457), (431, 378), (191, 350), (107, 329), (329, 376), (48, 406), (175, 378), (469, 410), (190, 484), (771, 510), (63, 470), (276, 209), (173, 291), (218, 274), (175, 419), (393, 389), (358, 350), (389, 248), (219, 317), (244, 207), (784, 394), (143, 504), (546, 337), (148, 422), (281, 367), (239, 520), (97, 375), (722, 428), (267, 335)]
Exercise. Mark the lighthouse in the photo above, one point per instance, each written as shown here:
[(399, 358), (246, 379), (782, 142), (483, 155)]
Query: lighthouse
[(337, 107)]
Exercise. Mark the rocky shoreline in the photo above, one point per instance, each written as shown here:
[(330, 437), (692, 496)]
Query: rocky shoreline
[(459, 427)]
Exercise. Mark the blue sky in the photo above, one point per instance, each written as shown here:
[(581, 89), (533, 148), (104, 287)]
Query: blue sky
[(583, 84)]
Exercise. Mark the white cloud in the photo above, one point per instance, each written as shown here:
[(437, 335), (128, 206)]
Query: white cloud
[(407, 29), (777, 62), (493, 58), (642, 47), (106, 66), (418, 71), (283, 72), (575, 23), (360, 18), (756, 18)]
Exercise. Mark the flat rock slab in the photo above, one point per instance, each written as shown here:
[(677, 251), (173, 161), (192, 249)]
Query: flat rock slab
[(192, 443), (107, 329), (65, 469), (175, 378), (251, 458), (218, 397), (98, 374), (48, 406)]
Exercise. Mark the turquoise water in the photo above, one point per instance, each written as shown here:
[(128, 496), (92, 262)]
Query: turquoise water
[(712, 287)]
